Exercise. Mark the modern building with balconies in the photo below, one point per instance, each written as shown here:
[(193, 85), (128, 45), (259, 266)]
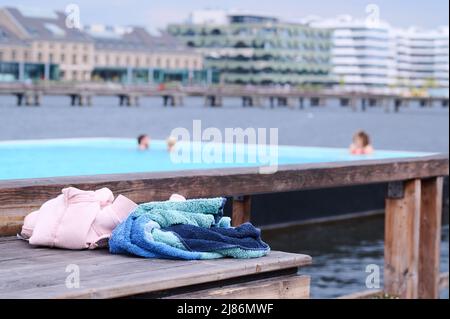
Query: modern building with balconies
[(376, 56), (258, 49)]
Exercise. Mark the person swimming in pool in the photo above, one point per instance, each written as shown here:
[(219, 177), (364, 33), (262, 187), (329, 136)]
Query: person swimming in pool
[(143, 142), (361, 144), (171, 142)]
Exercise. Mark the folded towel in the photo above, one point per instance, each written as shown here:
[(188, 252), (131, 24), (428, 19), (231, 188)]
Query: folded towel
[(246, 236), (192, 229)]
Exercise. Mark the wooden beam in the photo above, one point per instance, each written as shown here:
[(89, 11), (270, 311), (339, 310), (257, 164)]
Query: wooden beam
[(430, 237), (401, 247), (241, 210), (285, 287), (20, 197)]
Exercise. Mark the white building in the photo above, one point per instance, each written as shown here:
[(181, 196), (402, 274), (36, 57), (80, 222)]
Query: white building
[(422, 58), (378, 57)]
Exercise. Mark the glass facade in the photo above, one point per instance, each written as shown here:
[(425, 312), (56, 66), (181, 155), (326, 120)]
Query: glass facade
[(11, 72), (155, 76), (261, 53)]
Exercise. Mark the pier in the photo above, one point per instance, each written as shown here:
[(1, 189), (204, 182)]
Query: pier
[(412, 222), (82, 94)]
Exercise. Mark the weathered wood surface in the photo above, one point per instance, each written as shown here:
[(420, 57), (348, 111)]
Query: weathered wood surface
[(241, 210), (285, 287), (430, 237), (401, 246), (28, 272), (18, 198)]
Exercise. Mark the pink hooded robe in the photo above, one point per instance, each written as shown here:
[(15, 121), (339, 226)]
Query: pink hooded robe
[(77, 219)]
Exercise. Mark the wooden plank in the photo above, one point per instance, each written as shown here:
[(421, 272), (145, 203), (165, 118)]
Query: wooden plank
[(285, 287), (241, 210), (401, 252), (20, 197), (430, 237), (103, 275)]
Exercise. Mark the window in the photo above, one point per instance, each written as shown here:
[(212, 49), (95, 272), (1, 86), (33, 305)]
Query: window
[(74, 59), (13, 55), (63, 58), (50, 58), (39, 57), (158, 62), (85, 59), (1, 56)]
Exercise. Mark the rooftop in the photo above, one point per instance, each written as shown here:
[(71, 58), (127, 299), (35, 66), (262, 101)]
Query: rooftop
[(37, 24), (42, 25)]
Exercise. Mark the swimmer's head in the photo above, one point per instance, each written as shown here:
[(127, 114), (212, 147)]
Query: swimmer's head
[(143, 141), (171, 141), (361, 139)]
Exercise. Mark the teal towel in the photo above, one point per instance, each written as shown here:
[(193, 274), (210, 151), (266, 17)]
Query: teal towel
[(208, 206), (144, 233)]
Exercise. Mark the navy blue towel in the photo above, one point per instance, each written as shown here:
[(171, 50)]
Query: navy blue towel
[(246, 237)]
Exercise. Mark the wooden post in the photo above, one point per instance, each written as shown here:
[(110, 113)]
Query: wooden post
[(430, 237), (401, 254), (241, 210)]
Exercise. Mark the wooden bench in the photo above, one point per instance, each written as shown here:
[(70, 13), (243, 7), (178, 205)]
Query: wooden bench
[(30, 272)]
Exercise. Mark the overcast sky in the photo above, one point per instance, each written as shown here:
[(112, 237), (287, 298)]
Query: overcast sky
[(157, 13)]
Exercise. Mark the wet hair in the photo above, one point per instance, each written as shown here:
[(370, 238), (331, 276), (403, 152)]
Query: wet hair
[(363, 136), (140, 138)]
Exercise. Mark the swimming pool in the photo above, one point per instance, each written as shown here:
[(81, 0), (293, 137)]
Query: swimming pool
[(96, 156)]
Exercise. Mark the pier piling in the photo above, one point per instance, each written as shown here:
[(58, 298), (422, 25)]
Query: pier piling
[(412, 238)]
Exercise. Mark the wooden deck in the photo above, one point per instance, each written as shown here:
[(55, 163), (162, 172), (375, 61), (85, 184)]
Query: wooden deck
[(29, 272), (412, 228)]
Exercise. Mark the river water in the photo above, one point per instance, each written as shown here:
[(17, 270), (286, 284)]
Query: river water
[(341, 251)]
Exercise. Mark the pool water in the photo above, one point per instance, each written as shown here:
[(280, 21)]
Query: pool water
[(80, 157)]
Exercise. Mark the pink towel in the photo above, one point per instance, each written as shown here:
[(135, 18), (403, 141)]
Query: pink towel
[(77, 219)]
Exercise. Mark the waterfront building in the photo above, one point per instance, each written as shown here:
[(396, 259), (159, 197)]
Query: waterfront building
[(258, 49), (422, 59), (367, 56), (37, 45), (132, 55)]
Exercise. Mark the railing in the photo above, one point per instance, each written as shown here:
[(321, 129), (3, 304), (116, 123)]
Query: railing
[(413, 203)]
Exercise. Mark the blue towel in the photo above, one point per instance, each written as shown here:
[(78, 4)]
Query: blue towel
[(194, 238), (147, 232)]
